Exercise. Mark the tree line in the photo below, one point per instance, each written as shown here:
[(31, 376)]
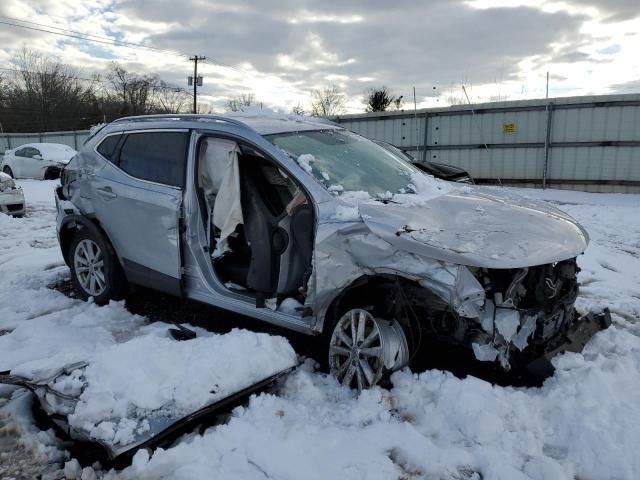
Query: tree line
[(43, 94)]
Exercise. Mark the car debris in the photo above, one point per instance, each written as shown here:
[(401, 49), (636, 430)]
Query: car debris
[(11, 197), (311, 227), (115, 437)]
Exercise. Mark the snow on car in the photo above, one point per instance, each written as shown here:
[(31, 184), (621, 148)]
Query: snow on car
[(584, 422), (11, 197), (42, 161)]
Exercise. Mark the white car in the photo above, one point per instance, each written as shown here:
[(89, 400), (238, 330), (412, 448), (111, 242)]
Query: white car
[(11, 197), (42, 161)]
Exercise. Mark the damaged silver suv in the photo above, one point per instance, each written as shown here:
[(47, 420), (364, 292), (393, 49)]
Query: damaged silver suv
[(308, 226)]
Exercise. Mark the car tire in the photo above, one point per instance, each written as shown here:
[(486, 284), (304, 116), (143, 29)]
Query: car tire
[(379, 349), (8, 171), (95, 270)]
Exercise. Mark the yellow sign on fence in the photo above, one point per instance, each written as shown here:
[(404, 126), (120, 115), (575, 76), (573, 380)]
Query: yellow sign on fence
[(508, 128)]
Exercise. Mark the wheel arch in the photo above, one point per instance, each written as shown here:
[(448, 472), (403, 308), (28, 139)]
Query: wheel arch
[(364, 291), (72, 224)]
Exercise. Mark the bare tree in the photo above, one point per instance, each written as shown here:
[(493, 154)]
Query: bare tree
[(327, 101), (45, 94), (398, 102), (298, 110), (133, 90), (169, 99), (378, 99), (240, 102)]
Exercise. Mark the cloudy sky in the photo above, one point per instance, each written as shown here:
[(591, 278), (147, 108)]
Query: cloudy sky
[(282, 49)]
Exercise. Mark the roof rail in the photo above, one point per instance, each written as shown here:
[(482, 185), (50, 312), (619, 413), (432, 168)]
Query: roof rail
[(181, 116)]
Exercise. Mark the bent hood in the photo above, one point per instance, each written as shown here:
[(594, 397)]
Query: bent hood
[(479, 227)]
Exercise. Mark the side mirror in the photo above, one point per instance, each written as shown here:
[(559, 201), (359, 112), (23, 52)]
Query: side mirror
[(37, 157)]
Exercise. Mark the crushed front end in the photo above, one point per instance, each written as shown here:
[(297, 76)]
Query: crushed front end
[(519, 318), (529, 316)]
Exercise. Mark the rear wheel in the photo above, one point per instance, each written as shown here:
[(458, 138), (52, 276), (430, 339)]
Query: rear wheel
[(8, 171), (364, 349), (95, 270)]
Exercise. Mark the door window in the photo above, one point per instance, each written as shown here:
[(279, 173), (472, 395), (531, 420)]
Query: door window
[(155, 156), (107, 147)]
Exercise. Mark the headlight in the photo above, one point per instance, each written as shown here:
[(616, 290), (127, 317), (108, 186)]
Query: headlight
[(7, 185)]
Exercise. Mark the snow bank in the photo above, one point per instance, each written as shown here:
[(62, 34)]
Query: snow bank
[(584, 422)]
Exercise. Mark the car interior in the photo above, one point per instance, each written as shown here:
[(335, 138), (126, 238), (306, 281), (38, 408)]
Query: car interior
[(259, 222)]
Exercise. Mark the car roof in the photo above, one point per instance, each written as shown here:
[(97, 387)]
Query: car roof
[(263, 124), (43, 145), (270, 124)]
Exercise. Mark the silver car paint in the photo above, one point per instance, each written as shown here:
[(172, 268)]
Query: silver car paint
[(472, 226), (516, 230)]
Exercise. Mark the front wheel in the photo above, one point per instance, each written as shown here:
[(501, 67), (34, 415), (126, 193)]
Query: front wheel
[(8, 171), (95, 270), (364, 349)]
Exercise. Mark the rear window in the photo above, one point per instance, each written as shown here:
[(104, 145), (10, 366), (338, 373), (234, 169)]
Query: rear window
[(155, 156), (107, 147)]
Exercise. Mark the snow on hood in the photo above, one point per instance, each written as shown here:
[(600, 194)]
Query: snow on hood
[(478, 226)]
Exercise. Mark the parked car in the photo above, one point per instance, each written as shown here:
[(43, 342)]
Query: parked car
[(316, 229), (438, 170), (11, 197), (42, 161)]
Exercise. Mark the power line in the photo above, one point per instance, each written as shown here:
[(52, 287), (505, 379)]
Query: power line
[(99, 39), (84, 36)]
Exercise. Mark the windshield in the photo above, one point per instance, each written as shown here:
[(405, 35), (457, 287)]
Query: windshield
[(343, 161)]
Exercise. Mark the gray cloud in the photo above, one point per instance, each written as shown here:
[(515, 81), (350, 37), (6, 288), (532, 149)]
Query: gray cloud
[(358, 44), (399, 44)]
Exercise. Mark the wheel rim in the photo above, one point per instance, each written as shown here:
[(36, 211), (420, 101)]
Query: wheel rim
[(89, 267), (362, 347)]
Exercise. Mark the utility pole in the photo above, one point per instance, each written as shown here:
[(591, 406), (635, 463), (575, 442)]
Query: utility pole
[(195, 80), (547, 96)]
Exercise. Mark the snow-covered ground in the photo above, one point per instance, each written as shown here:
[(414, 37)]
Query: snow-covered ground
[(583, 423)]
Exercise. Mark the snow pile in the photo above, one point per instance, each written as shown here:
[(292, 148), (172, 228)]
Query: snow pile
[(583, 423), (154, 375), (305, 161)]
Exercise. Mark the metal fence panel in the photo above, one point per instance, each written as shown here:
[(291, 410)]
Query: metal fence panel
[(74, 139), (590, 143)]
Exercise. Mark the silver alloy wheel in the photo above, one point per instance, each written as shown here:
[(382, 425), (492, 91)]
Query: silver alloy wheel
[(362, 347), (89, 267)]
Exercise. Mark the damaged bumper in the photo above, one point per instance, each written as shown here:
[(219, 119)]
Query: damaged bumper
[(161, 428), (12, 202), (573, 339)]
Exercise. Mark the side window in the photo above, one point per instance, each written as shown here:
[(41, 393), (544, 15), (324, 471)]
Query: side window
[(156, 156), (20, 153), (29, 152), (107, 147)]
